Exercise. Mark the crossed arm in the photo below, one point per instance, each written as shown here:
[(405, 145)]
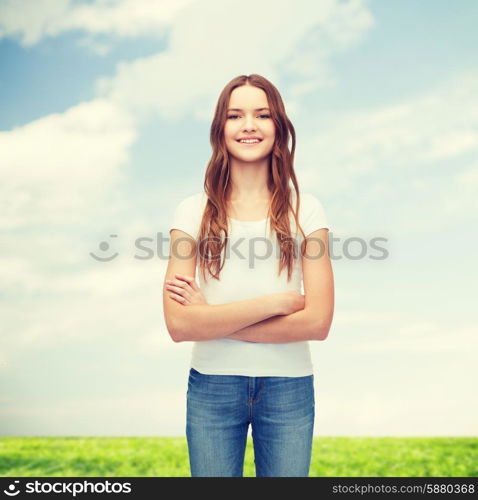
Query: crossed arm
[(310, 323), (295, 327)]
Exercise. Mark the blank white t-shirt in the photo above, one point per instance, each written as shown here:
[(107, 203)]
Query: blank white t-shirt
[(250, 270)]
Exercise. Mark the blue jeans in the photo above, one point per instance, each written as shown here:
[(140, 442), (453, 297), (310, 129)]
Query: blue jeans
[(281, 412)]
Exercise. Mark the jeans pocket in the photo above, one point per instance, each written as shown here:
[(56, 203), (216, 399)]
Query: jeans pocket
[(193, 376)]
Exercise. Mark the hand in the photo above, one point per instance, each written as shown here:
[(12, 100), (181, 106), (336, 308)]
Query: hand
[(185, 290), (291, 302)]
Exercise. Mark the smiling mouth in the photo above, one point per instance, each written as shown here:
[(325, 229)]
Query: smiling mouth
[(248, 142)]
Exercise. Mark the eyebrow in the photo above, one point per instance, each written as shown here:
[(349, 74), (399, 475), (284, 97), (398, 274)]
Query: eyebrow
[(238, 109)]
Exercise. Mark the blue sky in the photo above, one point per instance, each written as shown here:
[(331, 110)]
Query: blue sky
[(104, 128)]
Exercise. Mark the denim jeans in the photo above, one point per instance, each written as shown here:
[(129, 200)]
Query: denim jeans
[(281, 412)]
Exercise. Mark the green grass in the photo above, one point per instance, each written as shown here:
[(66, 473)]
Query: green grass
[(168, 457)]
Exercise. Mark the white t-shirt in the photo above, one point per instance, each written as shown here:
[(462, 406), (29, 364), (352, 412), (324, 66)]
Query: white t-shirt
[(250, 270)]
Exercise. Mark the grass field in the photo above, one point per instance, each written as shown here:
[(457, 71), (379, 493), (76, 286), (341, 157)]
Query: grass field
[(168, 457)]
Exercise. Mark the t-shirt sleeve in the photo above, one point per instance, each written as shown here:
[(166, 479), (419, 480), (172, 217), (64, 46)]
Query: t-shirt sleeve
[(187, 217), (314, 216)]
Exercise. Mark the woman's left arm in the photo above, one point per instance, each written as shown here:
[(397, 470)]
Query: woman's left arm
[(314, 321)]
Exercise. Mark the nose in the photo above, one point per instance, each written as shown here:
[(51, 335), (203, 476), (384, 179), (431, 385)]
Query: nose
[(249, 123)]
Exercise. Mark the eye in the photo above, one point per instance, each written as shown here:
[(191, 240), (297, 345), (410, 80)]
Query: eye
[(262, 116)]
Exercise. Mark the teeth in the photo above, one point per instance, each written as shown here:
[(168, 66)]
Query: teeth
[(249, 141)]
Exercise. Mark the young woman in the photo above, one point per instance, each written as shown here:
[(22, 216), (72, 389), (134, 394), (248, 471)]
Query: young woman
[(253, 239)]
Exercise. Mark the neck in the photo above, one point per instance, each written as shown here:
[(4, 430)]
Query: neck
[(248, 180)]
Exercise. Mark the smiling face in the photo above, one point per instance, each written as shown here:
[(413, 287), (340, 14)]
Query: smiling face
[(248, 116)]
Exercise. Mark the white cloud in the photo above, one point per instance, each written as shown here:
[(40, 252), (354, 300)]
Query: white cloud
[(122, 297), (63, 166), (468, 178), (462, 196), (336, 27), (3, 362), (155, 412), (99, 48), (426, 338), (409, 158), (35, 19), (395, 411), (389, 331), (412, 135), (202, 57)]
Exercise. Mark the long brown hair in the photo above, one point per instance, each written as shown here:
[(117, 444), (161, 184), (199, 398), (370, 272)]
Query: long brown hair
[(213, 233)]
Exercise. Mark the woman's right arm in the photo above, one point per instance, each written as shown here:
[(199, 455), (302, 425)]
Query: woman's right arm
[(204, 321)]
